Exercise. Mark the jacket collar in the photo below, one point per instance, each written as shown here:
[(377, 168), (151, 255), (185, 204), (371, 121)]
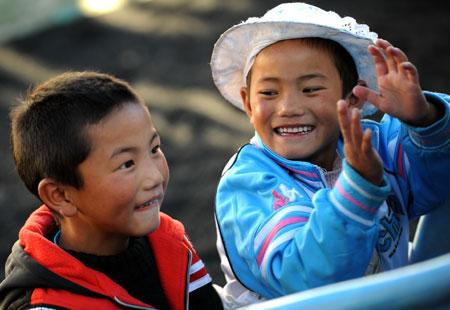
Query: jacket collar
[(36, 249), (305, 171), (173, 258)]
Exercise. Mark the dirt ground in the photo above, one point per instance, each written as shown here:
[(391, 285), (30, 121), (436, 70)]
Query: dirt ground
[(163, 49)]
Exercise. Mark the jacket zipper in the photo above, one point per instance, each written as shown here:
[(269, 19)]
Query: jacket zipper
[(188, 278)]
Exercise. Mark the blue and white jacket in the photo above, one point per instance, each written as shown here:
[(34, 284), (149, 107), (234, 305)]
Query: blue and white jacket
[(283, 229)]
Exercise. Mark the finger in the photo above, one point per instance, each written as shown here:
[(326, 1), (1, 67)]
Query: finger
[(382, 43), (386, 48), (367, 94), (390, 59), (398, 54), (379, 60), (355, 127), (366, 145), (343, 119), (410, 71)]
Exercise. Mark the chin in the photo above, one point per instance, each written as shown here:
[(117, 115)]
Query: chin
[(153, 227), (291, 155), (145, 229)]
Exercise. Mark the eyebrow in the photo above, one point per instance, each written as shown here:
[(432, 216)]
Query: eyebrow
[(301, 78), (311, 76), (131, 149)]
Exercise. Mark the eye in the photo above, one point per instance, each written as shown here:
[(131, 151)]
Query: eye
[(128, 164), (268, 93), (155, 149), (310, 90)]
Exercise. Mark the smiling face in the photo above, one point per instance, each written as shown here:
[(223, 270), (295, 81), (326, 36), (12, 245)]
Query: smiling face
[(291, 101), (125, 177)]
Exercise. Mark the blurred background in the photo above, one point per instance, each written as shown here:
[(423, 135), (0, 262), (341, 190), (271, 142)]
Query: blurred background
[(163, 48)]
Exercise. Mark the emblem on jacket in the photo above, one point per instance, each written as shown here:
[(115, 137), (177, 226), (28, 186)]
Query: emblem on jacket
[(284, 195), (390, 227)]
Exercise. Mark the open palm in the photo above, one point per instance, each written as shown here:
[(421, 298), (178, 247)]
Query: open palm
[(358, 149), (400, 94)]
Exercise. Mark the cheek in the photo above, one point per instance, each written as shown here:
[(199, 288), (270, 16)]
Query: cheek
[(327, 110), (164, 170), (331, 123), (261, 112), (262, 107), (329, 116), (120, 189)]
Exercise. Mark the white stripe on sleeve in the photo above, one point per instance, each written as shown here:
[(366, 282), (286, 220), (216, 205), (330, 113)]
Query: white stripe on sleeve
[(196, 267), (199, 283), (348, 213), (264, 232)]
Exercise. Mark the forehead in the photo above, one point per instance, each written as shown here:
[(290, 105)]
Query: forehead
[(122, 123), (296, 56), (307, 47)]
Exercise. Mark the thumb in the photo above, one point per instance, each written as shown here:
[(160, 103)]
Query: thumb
[(366, 94)]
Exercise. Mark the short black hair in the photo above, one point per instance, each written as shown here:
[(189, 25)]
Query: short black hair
[(342, 59), (48, 128)]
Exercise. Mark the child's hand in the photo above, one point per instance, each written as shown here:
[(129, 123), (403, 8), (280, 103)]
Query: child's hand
[(358, 149), (400, 94)]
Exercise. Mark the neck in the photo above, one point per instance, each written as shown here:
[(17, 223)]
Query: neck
[(105, 245), (326, 161), (334, 164)]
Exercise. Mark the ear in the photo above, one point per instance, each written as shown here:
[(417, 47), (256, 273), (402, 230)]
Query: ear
[(246, 102), (54, 195), (353, 101)]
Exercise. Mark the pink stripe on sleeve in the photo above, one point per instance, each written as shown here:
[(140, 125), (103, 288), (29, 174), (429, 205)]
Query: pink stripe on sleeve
[(274, 231), (351, 199)]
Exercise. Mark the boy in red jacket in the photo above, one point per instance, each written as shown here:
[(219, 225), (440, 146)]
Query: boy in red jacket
[(84, 143)]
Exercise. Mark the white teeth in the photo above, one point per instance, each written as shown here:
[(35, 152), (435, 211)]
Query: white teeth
[(299, 129)]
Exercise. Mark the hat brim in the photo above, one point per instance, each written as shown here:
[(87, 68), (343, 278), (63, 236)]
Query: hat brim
[(234, 46)]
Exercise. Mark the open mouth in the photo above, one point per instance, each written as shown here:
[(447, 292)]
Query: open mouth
[(294, 130), (148, 204)]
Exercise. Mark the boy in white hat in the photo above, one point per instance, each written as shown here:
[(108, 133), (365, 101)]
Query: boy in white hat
[(319, 196)]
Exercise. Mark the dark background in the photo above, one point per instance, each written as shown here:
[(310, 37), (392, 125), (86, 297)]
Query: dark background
[(163, 49)]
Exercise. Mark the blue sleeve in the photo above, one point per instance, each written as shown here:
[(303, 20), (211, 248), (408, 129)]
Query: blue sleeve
[(421, 159), (304, 243)]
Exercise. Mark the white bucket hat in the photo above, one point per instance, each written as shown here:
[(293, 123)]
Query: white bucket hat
[(235, 51)]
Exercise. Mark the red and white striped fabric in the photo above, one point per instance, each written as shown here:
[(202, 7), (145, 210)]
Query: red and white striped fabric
[(198, 276)]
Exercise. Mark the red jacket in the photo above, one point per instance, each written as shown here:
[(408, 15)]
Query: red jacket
[(38, 272)]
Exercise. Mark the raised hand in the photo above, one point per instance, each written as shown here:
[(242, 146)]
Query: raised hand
[(358, 149), (400, 94)]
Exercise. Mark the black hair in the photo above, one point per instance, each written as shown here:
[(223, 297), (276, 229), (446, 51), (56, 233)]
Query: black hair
[(48, 128)]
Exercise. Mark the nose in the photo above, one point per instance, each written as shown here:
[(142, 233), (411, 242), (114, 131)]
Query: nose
[(291, 104), (152, 175)]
